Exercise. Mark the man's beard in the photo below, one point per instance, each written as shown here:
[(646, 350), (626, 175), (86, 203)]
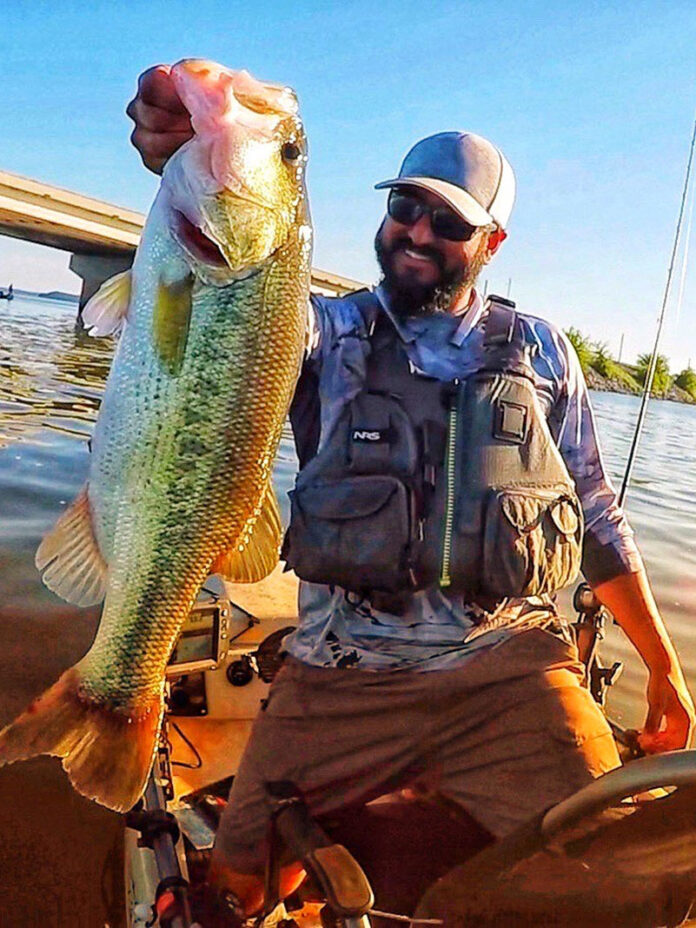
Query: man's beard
[(416, 299)]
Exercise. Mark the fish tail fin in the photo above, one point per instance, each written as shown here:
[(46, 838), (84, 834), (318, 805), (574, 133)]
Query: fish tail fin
[(106, 754)]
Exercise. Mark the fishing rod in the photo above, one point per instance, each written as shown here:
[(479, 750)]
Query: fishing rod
[(650, 373), (591, 614)]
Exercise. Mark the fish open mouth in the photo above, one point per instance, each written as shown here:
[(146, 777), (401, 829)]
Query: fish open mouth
[(200, 246)]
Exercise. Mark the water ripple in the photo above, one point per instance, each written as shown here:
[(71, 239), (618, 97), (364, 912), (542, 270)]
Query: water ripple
[(51, 382)]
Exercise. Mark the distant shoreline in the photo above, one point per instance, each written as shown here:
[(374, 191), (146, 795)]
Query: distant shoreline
[(596, 381), (59, 295)]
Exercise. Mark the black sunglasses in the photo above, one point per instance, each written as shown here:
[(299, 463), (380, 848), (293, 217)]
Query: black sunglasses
[(407, 209)]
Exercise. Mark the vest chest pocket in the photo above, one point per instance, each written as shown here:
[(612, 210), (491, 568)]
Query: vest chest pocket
[(357, 530), (532, 541), (381, 437)]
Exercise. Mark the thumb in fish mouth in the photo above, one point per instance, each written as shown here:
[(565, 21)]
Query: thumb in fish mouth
[(171, 320)]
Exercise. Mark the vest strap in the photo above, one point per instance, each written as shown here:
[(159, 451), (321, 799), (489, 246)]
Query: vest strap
[(500, 324), (305, 410)]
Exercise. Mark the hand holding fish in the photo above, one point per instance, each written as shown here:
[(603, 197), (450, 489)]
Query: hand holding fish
[(162, 122)]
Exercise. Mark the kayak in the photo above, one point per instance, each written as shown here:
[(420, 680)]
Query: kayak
[(599, 857), (593, 859)]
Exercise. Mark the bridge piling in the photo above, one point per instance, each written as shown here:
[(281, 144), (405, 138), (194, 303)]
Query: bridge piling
[(101, 237)]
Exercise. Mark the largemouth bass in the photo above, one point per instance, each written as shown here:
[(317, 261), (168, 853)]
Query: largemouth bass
[(213, 321)]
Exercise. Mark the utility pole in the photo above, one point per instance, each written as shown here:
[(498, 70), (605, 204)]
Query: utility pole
[(485, 288), (509, 287), (621, 348)]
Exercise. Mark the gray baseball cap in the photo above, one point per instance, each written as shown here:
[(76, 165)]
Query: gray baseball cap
[(466, 170)]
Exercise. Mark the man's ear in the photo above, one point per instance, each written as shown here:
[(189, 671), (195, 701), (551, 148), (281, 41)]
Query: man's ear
[(495, 240)]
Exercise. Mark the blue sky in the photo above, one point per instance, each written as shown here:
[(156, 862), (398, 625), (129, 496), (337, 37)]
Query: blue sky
[(593, 104)]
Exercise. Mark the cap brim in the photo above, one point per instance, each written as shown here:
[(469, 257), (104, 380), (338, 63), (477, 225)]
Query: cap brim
[(460, 201)]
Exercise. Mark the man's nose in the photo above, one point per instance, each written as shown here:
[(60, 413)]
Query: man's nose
[(421, 232)]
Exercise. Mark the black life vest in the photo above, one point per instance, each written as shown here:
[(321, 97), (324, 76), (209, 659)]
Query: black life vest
[(424, 482)]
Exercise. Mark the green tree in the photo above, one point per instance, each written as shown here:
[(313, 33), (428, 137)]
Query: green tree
[(687, 381), (605, 365), (583, 347), (602, 361), (662, 380)]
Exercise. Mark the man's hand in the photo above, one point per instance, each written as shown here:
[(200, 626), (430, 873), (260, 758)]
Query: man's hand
[(162, 123), (670, 720)]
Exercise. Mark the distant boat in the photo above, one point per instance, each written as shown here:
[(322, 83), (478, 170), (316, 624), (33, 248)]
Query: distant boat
[(7, 294)]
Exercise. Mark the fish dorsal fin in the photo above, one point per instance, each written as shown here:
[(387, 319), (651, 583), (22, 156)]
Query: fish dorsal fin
[(254, 556), (69, 558), (171, 320), (106, 311)]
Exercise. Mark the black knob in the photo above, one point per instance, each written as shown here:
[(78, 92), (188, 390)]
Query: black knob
[(240, 672), (585, 601), (179, 697)]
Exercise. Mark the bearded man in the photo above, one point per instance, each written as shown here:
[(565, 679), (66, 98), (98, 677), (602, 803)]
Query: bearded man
[(450, 482)]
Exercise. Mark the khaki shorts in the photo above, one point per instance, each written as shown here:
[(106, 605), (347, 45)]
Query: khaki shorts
[(506, 736)]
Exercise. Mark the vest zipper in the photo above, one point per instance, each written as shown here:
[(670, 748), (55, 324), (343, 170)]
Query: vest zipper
[(450, 488)]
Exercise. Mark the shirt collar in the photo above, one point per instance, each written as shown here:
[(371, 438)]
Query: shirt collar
[(470, 318), (409, 332)]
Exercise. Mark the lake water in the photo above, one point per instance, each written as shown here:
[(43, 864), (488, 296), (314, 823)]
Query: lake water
[(51, 380)]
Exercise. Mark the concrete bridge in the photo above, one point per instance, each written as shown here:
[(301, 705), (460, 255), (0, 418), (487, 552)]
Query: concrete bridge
[(101, 237)]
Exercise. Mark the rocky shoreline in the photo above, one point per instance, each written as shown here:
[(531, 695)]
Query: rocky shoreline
[(595, 381)]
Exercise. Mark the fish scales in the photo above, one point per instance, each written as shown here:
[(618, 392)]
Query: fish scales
[(180, 476), (154, 547)]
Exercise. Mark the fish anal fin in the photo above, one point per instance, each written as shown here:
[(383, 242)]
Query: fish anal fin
[(106, 754), (171, 320), (107, 310), (255, 555), (71, 564)]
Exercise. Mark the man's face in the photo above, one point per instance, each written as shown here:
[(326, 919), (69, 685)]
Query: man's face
[(421, 270)]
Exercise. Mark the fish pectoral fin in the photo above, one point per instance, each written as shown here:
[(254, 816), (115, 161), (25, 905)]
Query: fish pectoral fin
[(106, 311), (255, 555), (171, 320), (69, 558)]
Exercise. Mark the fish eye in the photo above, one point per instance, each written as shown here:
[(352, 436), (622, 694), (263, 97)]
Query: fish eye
[(290, 151)]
